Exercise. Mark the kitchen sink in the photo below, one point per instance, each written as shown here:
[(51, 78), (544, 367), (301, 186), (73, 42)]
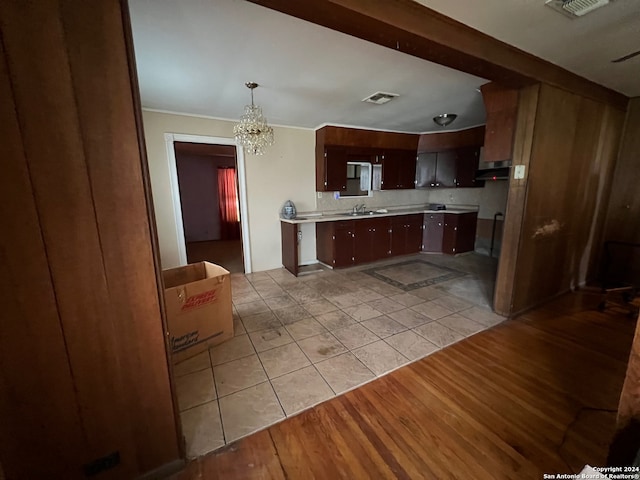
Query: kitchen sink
[(357, 214)]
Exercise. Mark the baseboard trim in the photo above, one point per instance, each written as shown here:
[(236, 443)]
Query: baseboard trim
[(164, 471)]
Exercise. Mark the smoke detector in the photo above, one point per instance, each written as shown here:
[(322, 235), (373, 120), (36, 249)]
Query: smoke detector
[(380, 98), (576, 8)]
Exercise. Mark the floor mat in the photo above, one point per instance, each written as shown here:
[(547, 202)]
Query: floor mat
[(413, 274)]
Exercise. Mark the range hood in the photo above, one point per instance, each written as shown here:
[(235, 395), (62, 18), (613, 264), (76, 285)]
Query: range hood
[(491, 171)]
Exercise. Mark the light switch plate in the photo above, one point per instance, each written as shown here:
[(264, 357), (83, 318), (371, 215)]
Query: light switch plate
[(518, 172)]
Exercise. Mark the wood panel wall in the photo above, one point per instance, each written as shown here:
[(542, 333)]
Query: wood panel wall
[(357, 137), (572, 154), (624, 206), (623, 224), (83, 365)]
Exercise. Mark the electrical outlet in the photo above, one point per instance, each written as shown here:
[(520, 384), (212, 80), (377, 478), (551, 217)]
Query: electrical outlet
[(518, 172), (319, 194)]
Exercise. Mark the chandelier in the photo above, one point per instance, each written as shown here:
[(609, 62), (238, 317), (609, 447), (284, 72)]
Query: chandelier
[(252, 132)]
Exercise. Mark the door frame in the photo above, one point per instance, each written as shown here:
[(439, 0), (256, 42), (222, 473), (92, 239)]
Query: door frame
[(169, 139)]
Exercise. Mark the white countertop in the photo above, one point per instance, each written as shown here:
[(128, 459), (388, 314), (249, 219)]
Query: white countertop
[(315, 217)]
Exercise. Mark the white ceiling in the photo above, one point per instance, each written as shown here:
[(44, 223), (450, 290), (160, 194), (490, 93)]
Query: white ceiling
[(585, 45), (194, 56)]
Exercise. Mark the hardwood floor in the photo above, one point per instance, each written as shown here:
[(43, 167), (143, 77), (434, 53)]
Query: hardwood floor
[(530, 396)]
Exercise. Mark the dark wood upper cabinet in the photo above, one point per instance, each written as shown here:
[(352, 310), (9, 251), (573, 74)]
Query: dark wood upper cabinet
[(335, 146), (466, 167), (398, 169), (426, 170), (501, 105), (448, 169), (331, 170)]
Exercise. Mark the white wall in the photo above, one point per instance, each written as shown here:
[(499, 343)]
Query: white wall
[(285, 172), (491, 199)]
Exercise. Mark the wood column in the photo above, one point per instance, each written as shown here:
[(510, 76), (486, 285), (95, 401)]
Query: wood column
[(83, 366)]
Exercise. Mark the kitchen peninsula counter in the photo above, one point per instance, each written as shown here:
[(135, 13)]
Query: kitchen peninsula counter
[(332, 216), (408, 237)]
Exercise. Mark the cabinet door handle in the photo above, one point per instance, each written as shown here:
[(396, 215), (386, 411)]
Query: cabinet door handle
[(437, 184), (433, 184)]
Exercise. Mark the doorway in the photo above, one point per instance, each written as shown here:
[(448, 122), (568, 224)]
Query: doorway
[(208, 186), (207, 176)]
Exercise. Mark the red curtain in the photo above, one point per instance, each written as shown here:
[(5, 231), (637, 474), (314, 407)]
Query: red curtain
[(228, 201)]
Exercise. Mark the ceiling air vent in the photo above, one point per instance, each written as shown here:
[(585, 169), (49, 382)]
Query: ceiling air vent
[(380, 98), (576, 8)]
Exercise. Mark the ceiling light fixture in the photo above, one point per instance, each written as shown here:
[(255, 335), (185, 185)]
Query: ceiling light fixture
[(252, 132), (445, 119)]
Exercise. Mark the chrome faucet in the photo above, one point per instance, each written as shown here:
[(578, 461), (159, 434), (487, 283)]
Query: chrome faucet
[(358, 208)]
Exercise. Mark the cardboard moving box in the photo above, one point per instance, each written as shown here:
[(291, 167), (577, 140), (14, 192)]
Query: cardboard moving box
[(198, 303)]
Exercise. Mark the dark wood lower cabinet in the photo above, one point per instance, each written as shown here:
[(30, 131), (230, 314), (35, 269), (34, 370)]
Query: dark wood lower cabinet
[(289, 232), (406, 234), (433, 232), (371, 240), (345, 243), (354, 242), (449, 233), (459, 233), (335, 243)]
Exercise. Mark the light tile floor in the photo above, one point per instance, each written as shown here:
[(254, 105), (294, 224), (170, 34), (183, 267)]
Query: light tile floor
[(301, 341)]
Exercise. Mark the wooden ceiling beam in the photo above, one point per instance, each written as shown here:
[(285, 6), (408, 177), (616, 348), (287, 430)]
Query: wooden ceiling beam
[(414, 29)]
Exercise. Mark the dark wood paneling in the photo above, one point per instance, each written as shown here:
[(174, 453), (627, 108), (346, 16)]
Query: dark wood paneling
[(624, 205), (568, 173), (509, 402), (501, 105), (68, 220), (435, 142), (36, 387), (514, 215), (355, 137), (629, 405), (97, 43), (68, 65), (289, 232), (414, 29)]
